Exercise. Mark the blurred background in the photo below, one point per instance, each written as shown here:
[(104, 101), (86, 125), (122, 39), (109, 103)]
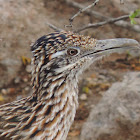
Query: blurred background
[(22, 22)]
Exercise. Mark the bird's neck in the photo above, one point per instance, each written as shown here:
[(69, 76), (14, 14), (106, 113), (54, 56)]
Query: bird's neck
[(59, 96)]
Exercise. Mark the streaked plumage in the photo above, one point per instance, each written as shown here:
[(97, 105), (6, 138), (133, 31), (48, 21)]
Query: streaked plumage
[(58, 59)]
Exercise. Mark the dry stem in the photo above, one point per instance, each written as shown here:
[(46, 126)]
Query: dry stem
[(54, 27), (111, 20), (82, 10)]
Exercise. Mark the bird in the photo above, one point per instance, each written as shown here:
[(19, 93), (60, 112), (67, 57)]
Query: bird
[(58, 59)]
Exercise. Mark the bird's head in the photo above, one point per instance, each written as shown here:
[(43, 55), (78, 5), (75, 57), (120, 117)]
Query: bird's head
[(69, 53)]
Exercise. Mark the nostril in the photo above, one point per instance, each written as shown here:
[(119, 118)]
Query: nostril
[(102, 46)]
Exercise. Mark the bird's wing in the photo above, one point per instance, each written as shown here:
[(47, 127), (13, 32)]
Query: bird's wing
[(12, 116)]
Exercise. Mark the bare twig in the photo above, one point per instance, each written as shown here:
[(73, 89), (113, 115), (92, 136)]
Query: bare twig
[(54, 27), (111, 20), (82, 10), (80, 6), (98, 15)]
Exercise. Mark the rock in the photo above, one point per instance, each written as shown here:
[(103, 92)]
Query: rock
[(117, 115), (25, 79), (83, 97), (4, 91), (17, 80), (27, 88), (29, 68), (11, 90), (8, 91)]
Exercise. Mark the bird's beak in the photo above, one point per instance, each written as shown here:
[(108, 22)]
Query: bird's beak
[(108, 46)]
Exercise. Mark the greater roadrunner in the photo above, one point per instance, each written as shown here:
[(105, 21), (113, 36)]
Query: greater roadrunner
[(58, 59)]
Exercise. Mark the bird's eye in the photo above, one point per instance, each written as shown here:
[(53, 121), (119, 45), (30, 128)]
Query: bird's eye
[(72, 51)]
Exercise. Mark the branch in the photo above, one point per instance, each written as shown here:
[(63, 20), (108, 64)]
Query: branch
[(82, 10), (80, 6), (111, 20), (98, 15), (54, 27)]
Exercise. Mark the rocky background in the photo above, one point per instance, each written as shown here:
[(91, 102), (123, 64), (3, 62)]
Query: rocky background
[(109, 95)]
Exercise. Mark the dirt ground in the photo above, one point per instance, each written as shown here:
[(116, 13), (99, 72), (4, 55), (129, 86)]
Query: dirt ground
[(95, 80)]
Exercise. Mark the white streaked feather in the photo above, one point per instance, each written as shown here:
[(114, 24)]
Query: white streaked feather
[(57, 54)]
